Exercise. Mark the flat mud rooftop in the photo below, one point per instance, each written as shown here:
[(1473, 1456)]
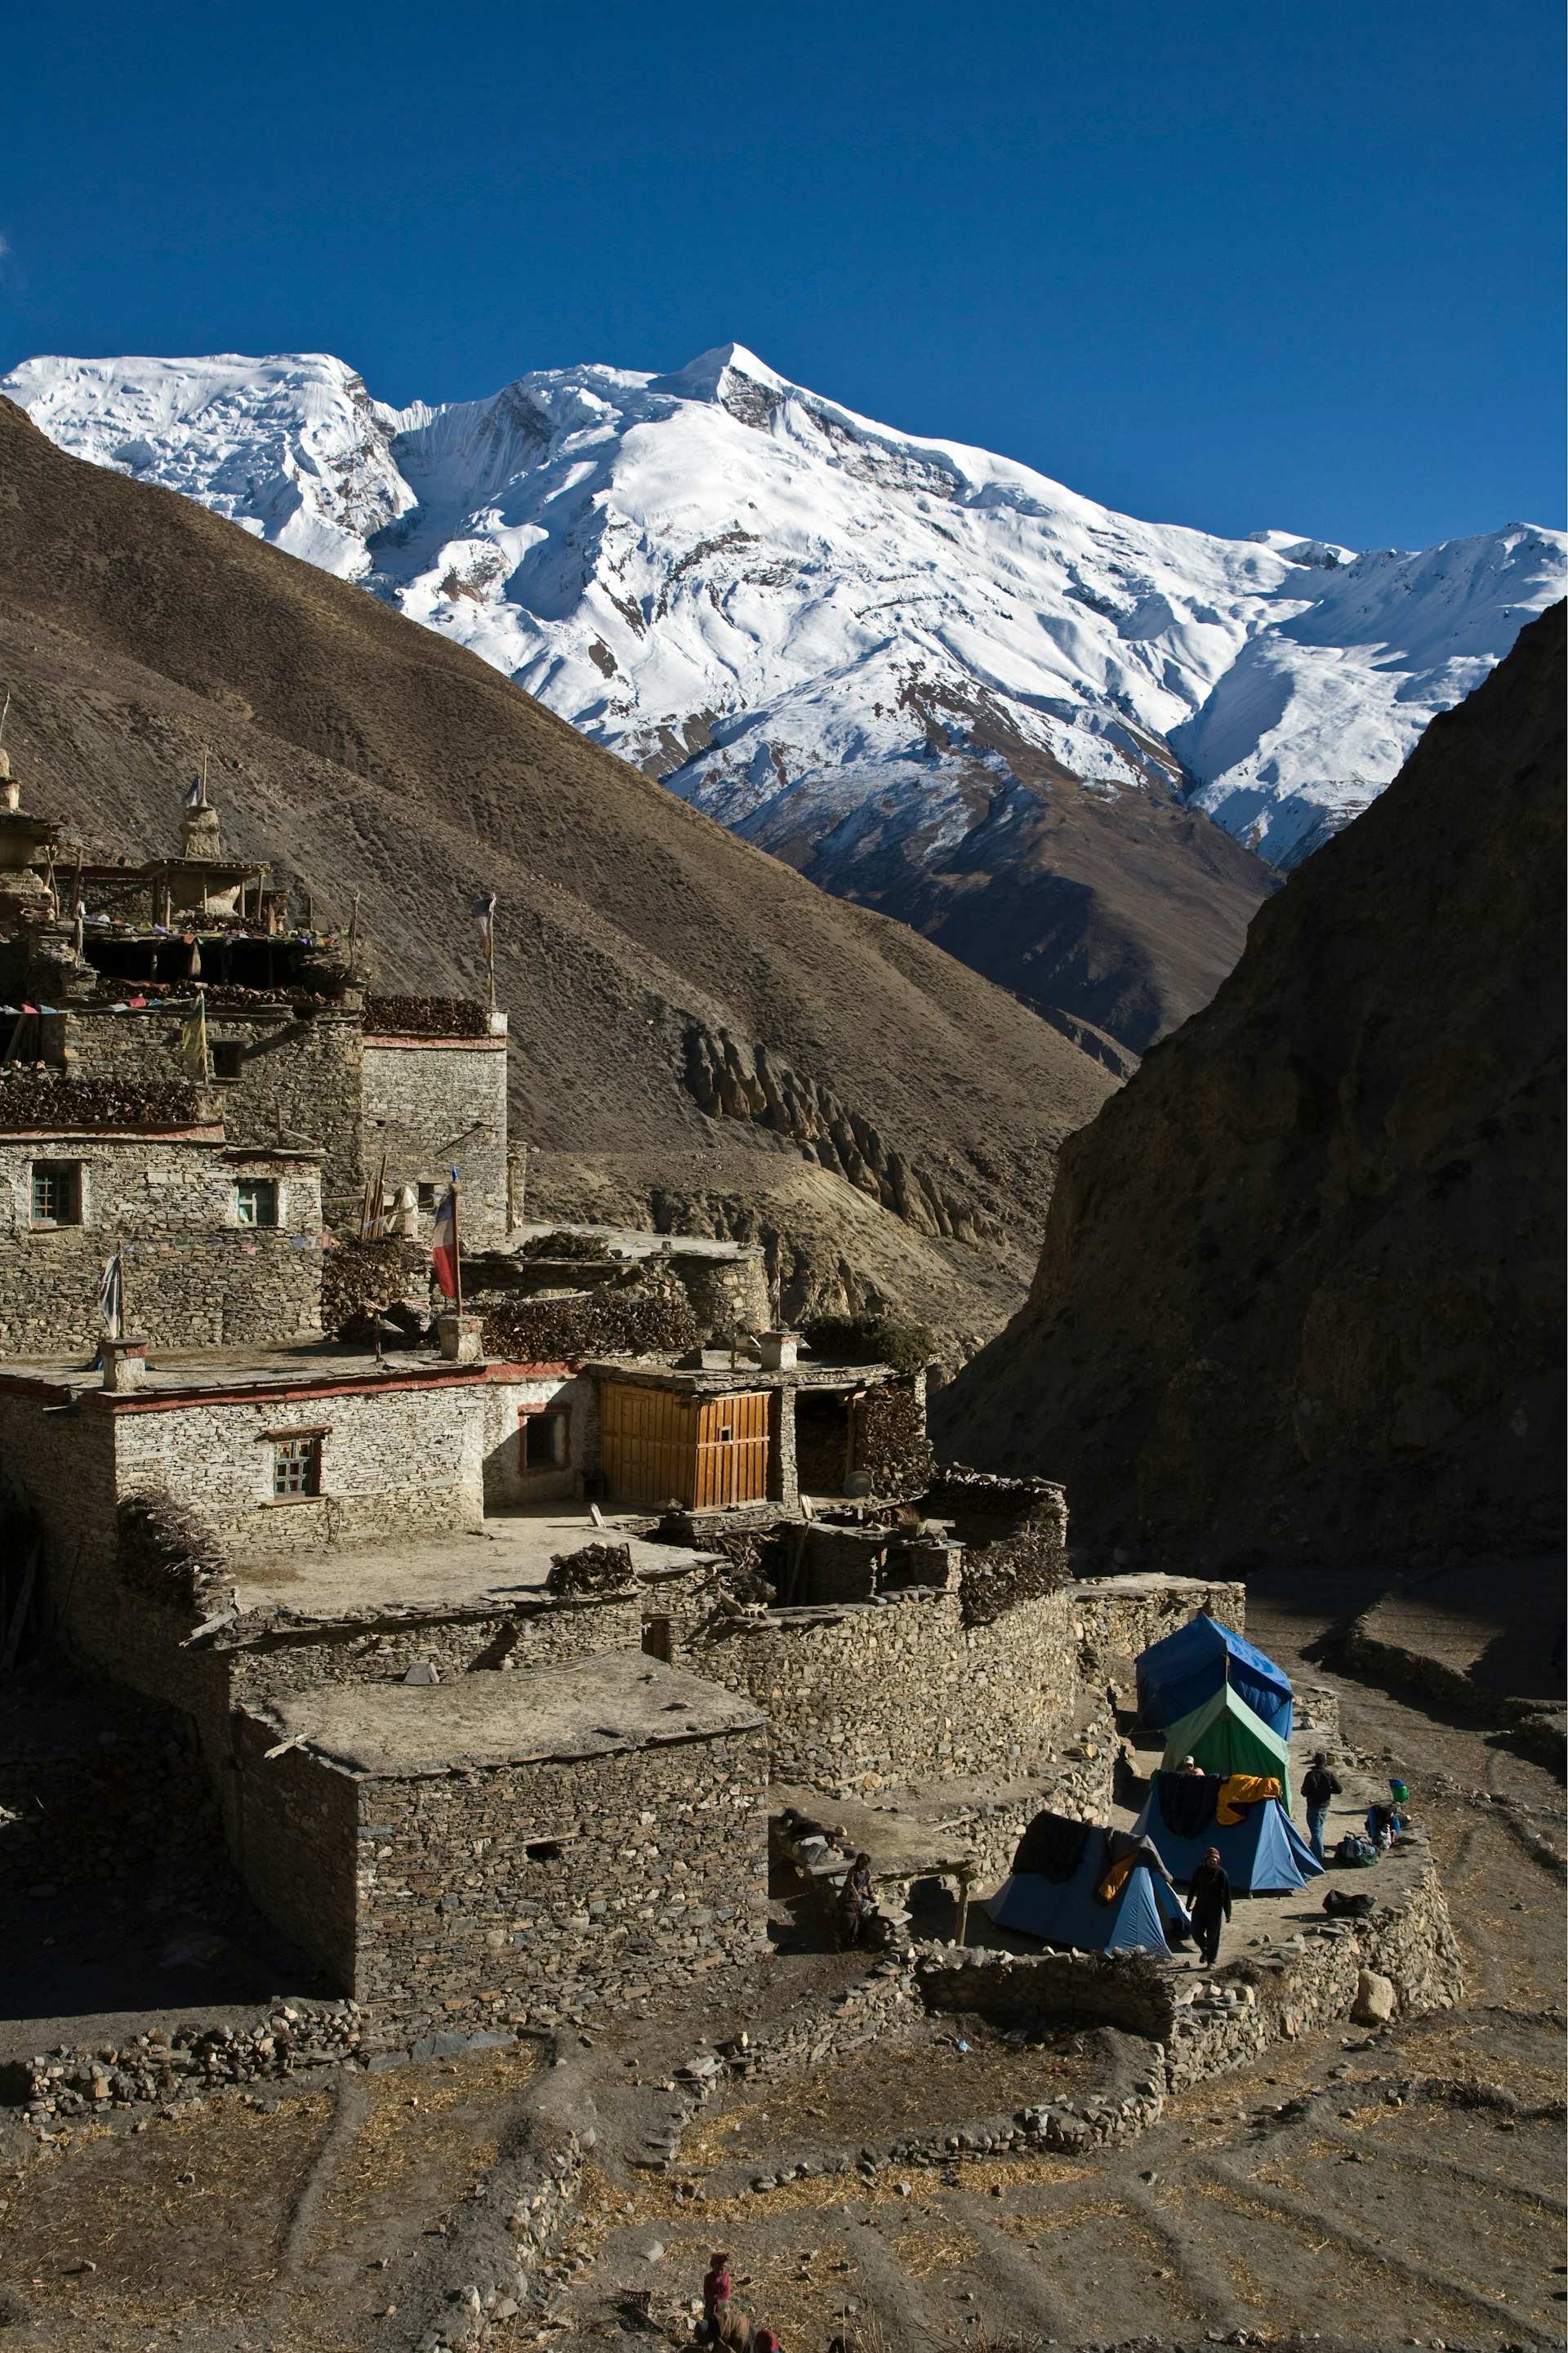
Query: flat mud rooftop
[(505, 1555)]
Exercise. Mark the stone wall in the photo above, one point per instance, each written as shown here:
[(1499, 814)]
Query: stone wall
[(530, 1635), (899, 1690), (889, 1441), (432, 1102), (504, 1404), (301, 1075), (62, 1459), (1014, 1532), (645, 1868), (396, 1463), (727, 1294), (194, 1276), (1115, 1617)]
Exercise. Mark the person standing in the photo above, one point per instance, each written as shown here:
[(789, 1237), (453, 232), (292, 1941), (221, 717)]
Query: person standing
[(717, 2291), (1208, 1900), (857, 1905), (1318, 1788)]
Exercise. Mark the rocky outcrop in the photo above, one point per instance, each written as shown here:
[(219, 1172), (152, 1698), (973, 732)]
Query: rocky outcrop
[(732, 1080), (1302, 1278)]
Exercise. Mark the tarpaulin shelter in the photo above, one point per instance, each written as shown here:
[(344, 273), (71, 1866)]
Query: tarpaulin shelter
[(1177, 1674), (1264, 1853), (1224, 1737), (1067, 1911)]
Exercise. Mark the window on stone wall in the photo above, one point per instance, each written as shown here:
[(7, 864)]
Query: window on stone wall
[(255, 1201), (57, 1193), (427, 1197), (544, 1438), (229, 1061), (295, 1466)]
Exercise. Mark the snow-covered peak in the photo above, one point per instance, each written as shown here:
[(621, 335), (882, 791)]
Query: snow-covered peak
[(711, 374), (795, 614), (292, 448)]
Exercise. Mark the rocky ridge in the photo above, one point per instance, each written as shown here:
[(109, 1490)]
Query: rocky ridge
[(1302, 1278)]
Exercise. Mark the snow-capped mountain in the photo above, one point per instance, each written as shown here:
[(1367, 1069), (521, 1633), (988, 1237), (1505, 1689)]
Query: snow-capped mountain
[(859, 648)]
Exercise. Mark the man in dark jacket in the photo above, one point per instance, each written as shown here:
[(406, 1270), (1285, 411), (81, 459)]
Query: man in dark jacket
[(1208, 1900), (1318, 1788)]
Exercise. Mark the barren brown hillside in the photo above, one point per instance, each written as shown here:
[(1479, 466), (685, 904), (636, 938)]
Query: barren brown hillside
[(890, 1117), (1301, 1292)]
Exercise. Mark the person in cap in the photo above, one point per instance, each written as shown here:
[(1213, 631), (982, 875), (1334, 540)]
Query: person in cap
[(1317, 1788), (1191, 1765), (1208, 1902)]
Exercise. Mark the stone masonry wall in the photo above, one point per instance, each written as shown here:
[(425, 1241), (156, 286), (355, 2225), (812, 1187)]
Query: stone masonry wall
[(194, 1276), (727, 1294), (302, 1075), (648, 1867), (525, 1637), (63, 1461), (396, 1463), (433, 1101), (503, 1404), (1115, 1617), (901, 1689)]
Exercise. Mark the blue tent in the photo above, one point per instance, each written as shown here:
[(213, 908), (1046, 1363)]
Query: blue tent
[(1068, 1911), (1263, 1852), (1178, 1674)]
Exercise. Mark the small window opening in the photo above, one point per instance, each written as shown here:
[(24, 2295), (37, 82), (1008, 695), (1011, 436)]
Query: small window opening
[(228, 1060), (543, 1440), (426, 1194), (297, 1466), (57, 1193), (543, 1850), (256, 1202)]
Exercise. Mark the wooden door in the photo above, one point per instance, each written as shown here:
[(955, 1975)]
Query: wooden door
[(647, 1444), (732, 1464)]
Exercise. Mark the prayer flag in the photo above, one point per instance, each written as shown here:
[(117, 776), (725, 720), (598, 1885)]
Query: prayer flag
[(194, 793), (111, 1298), (443, 1245), (194, 1041), (484, 913)]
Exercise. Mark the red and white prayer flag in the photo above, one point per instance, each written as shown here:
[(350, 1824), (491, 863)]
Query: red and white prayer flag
[(444, 1244)]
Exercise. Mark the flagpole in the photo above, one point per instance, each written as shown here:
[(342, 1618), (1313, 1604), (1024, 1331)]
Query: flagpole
[(456, 1252), (490, 950)]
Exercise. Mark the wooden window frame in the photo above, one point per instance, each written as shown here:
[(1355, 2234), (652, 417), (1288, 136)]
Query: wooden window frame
[(243, 1185), (284, 1443), (527, 1413), (51, 1172)]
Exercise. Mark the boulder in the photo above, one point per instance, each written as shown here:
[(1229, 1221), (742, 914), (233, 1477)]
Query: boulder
[(1375, 2000)]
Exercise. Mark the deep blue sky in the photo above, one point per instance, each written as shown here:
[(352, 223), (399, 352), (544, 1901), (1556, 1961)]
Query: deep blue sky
[(1223, 264)]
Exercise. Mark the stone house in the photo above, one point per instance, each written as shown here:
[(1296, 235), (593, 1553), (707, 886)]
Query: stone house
[(218, 1243), (385, 1087)]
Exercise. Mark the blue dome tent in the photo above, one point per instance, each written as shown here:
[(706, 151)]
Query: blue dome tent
[(1264, 1853), (1176, 1675), (1066, 1910)]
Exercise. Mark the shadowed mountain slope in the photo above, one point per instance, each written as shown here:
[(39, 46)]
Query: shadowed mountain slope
[(696, 1031), (1302, 1278)]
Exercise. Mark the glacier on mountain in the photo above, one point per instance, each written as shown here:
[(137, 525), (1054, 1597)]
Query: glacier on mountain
[(811, 625)]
